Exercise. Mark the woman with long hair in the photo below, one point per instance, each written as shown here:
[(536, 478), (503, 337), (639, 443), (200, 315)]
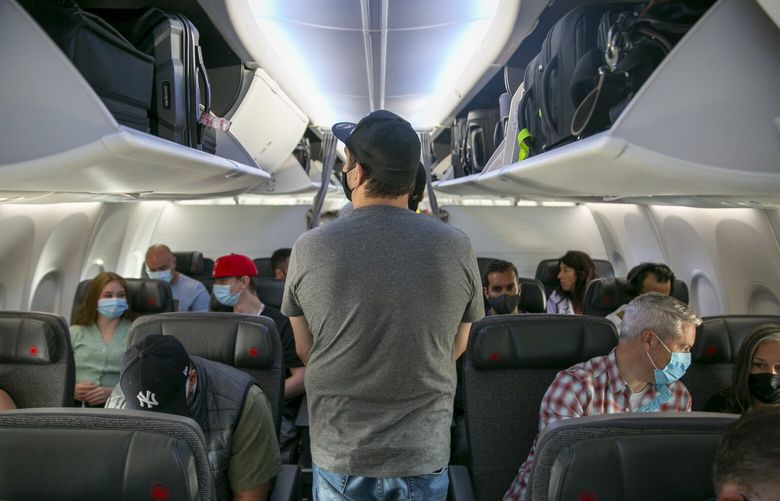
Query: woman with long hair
[(576, 270), (99, 336), (755, 378)]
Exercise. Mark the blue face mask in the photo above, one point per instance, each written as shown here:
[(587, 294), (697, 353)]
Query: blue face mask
[(112, 307), (674, 370), (166, 275), (223, 295)]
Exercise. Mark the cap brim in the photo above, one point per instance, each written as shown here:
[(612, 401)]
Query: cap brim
[(342, 130)]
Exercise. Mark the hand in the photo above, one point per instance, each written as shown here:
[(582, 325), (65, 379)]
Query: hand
[(98, 395), (82, 389)]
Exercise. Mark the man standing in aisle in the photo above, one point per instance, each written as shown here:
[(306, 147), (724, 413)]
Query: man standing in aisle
[(365, 297)]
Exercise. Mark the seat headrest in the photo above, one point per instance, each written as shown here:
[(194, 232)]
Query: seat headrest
[(604, 295), (208, 267), (190, 263), (270, 291), (537, 341), (532, 297), (241, 341), (718, 338), (482, 264), (263, 265), (144, 295), (128, 454), (644, 451), (680, 290), (26, 340)]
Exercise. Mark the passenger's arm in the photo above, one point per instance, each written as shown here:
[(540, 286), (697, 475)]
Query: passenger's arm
[(259, 493), (461, 339), (202, 299), (293, 385), (303, 337)]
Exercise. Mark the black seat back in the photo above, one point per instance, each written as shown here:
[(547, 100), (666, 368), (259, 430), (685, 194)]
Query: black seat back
[(532, 296), (263, 265), (713, 355), (102, 454), (190, 263), (628, 456), (605, 295), (482, 264), (509, 364), (144, 295), (248, 343), (270, 291), (547, 272), (36, 359)]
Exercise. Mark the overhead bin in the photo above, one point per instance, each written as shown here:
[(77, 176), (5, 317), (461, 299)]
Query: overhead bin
[(704, 125), (268, 123), (57, 135)]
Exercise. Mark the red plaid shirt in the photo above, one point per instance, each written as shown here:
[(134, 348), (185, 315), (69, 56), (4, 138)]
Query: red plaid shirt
[(586, 389)]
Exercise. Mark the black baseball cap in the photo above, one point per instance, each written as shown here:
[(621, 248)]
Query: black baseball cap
[(154, 375), (385, 144)]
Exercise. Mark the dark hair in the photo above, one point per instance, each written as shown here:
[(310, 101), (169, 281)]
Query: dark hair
[(499, 266), (637, 274), (749, 452), (374, 187), (738, 395), (585, 271), (87, 311), (278, 257)]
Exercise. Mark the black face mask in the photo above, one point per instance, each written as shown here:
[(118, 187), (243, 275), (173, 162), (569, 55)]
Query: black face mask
[(345, 185), (504, 304), (765, 387)]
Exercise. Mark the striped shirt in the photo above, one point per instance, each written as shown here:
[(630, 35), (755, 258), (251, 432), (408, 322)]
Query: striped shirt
[(592, 388)]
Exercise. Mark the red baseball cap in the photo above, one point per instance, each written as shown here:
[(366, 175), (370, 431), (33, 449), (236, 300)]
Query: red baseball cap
[(234, 265)]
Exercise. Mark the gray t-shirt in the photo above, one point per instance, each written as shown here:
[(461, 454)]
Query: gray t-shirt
[(383, 290)]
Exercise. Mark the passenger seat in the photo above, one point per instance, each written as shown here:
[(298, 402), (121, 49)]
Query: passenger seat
[(659, 455), (36, 360), (605, 295), (102, 454), (718, 340), (509, 364)]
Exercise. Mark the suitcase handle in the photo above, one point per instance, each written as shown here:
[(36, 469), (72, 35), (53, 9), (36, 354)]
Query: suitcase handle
[(546, 114), (206, 84)]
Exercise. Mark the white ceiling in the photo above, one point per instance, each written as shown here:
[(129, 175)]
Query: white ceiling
[(340, 59)]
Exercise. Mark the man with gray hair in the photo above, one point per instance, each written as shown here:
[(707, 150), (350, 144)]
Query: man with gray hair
[(747, 464), (640, 375)]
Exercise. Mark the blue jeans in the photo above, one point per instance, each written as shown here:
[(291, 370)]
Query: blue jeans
[(329, 486)]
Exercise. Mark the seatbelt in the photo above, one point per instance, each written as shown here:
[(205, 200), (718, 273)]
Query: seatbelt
[(328, 162)]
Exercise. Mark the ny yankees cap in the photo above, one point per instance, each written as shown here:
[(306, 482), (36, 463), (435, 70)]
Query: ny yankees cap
[(385, 145), (154, 375)]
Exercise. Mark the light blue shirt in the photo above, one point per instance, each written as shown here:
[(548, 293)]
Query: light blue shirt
[(189, 294), (96, 361)]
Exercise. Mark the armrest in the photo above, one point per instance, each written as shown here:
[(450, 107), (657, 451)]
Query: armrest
[(287, 486), (460, 484)]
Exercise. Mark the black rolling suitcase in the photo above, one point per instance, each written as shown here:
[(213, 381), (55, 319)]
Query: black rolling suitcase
[(181, 83), (483, 129), (458, 146), (120, 74)]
